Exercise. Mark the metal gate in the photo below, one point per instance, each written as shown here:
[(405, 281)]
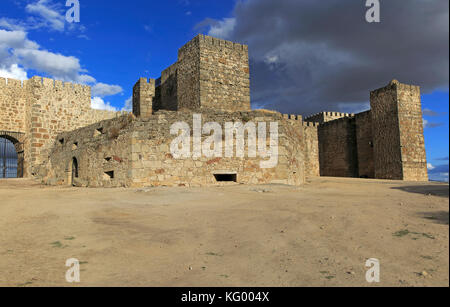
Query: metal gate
[(11, 155)]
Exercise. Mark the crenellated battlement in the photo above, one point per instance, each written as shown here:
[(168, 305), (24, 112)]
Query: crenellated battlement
[(58, 85), (293, 117), (338, 121), (12, 83), (310, 124), (324, 115), (209, 41)]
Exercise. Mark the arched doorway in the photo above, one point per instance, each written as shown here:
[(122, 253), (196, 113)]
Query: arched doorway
[(11, 163)]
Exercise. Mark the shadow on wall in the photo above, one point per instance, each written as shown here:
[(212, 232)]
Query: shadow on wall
[(439, 217), (432, 190)]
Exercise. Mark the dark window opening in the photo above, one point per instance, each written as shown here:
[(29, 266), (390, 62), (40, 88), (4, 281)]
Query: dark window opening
[(109, 175), (74, 169), (75, 146), (226, 177), (61, 141), (108, 159), (98, 132)]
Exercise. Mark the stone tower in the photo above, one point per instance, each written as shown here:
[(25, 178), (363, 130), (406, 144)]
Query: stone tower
[(397, 125), (210, 73)]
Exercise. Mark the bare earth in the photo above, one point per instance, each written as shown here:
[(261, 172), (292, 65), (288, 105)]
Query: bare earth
[(320, 234)]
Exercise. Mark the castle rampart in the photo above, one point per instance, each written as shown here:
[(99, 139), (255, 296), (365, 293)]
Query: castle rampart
[(385, 142), (56, 126), (40, 108), (209, 74)]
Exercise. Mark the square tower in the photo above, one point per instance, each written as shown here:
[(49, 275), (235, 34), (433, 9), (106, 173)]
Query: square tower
[(397, 127), (213, 74)]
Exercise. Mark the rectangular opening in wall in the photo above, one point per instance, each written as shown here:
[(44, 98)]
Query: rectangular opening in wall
[(230, 177), (108, 159), (75, 146), (108, 175), (61, 141)]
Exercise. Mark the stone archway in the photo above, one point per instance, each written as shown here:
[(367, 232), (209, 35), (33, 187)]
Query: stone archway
[(11, 154)]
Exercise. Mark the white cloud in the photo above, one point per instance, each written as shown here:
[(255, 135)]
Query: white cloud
[(430, 166), (49, 13), (18, 53), (102, 89), (99, 104), (59, 66), (13, 72), (223, 28), (16, 39), (85, 79), (128, 105)]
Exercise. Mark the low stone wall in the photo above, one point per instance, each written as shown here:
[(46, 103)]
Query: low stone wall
[(137, 153)]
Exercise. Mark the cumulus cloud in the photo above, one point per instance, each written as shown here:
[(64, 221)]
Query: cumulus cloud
[(57, 65), (102, 89), (311, 56), (19, 54), (99, 104), (13, 72), (430, 167)]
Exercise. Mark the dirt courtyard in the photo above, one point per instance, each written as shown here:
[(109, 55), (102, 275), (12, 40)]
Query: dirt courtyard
[(319, 234)]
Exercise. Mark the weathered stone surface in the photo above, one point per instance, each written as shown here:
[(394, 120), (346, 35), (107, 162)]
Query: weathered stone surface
[(58, 129), (41, 108), (139, 154)]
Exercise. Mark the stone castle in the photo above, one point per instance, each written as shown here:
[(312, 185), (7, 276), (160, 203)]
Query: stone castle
[(61, 140)]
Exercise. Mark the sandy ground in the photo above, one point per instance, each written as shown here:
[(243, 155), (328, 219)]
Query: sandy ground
[(320, 234)]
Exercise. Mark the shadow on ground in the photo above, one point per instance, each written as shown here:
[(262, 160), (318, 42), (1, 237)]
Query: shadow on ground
[(439, 217), (440, 190)]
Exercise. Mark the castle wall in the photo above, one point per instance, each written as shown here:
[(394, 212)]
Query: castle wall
[(143, 97), (210, 73), (311, 148), (41, 109), (143, 157), (188, 76), (364, 141), (337, 148), (98, 148), (412, 143), (57, 107), (169, 88), (224, 75), (13, 105), (386, 133)]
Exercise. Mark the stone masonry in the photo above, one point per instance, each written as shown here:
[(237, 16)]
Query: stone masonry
[(61, 140), (40, 108)]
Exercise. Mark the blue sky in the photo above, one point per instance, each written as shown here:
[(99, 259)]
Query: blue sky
[(303, 71)]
